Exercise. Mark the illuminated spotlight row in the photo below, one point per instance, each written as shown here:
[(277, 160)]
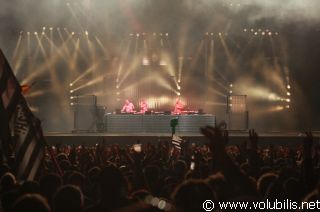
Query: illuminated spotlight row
[(58, 29), (146, 62), (260, 32), (117, 90), (288, 100), (145, 34), (178, 88), (212, 34), (231, 89), (234, 5)]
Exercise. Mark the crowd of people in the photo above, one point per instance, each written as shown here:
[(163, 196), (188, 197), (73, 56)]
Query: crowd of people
[(160, 177)]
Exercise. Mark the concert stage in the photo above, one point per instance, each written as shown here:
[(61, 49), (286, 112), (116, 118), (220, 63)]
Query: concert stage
[(275, 138)]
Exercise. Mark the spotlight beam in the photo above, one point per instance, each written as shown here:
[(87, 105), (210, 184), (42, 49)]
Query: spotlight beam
[(123, 59), (231, 61), (90, 83), (88, 71), (41, 68)]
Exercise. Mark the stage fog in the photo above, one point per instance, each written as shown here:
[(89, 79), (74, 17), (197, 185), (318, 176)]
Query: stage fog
[(202, 52)]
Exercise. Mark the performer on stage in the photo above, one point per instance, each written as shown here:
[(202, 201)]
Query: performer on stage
[(128, 107), (178, 107), (143, 106)]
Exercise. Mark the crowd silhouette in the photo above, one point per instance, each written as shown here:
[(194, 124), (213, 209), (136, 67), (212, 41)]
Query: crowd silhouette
[(162, 178)]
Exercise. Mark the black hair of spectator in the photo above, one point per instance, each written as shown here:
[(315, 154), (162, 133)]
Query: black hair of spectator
[(32, 203), (68, 198), (32, 187), (190, 195), (7, 182), (49, 185)]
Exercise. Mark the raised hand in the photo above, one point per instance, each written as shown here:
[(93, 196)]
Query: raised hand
[(218, 138)]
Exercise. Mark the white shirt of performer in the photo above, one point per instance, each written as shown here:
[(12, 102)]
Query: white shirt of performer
[(143, 106), (179, 106), (128, 107)]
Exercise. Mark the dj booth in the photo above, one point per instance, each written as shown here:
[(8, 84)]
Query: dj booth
[(115, 123), (89, 117)]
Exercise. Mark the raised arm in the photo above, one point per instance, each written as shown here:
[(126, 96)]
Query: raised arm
[(223, 163)]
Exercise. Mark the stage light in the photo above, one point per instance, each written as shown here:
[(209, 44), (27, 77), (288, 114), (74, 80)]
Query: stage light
[(35, 33), (42, 33), (87, 33), (179, 94), (179, 81), (288, 86), (288, 100), (179, 87), (138, 34), (263, 33), (256, 33), (167, 34), (117, 87), (43, 28), (211, 34), (72, 33), (230, 97), (145, 61), (288, 94), (207, 33), (245, 30), (288, 106), (71, 91), (220, 33), (51, 28), (269, 33), (230, 92), (163, 63), (278, 108), (231, 85), (71, 84), (71, 103), (72, 97), (272, 97), (251, 30)]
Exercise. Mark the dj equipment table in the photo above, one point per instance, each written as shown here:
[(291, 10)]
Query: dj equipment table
[(156, 123)]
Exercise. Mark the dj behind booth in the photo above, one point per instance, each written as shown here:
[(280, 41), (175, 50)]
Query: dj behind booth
[(90, 117), (128, 120)]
